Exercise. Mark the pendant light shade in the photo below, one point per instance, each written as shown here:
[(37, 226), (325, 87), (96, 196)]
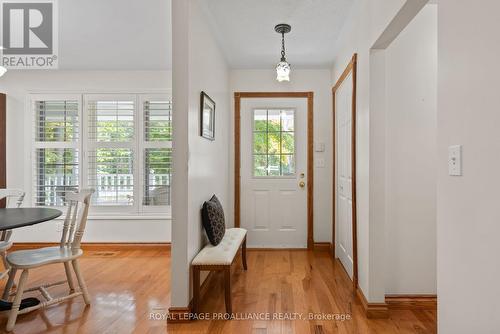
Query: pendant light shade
[(283, 67), (283, 71)]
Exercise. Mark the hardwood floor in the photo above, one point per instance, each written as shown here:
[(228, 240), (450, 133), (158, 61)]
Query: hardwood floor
[(128, 288)]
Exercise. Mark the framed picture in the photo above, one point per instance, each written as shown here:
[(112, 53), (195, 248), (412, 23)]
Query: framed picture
[(207, 117)]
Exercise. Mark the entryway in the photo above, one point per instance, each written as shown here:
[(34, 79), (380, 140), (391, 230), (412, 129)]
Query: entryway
[(273, 171)]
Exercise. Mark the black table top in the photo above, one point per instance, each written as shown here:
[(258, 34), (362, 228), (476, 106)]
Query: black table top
[(19, 217)]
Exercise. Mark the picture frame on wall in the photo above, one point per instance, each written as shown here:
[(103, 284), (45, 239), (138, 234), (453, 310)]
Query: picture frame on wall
[(207, 117)]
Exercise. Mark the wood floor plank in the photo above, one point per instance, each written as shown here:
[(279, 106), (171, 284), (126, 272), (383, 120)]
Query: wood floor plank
[(128, 286)]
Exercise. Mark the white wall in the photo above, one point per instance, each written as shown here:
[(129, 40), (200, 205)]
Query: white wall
[(200, 165), (317, 81), (366, 23), (411, 148), (467, 214), (17, 85)]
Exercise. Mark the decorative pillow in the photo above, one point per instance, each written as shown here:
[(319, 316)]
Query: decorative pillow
[(213, 220)]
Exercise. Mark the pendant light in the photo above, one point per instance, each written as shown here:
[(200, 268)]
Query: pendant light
[(283, 67)]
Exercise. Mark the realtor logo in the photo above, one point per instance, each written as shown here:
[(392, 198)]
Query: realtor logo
[(29, 34)]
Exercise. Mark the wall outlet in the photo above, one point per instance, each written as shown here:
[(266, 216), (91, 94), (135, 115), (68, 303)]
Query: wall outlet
[(455, 160), (320, 163)]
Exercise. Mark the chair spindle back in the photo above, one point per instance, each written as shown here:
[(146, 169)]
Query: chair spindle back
[(78, 204)]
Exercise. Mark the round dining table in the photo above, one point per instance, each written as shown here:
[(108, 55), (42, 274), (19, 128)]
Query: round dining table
[(12, 218)]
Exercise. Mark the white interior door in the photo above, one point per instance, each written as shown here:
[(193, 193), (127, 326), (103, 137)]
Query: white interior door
[(344, 203), (273, 172)]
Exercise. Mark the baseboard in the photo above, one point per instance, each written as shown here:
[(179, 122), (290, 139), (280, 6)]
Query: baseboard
[(411, 302), (96, 246), (323, 246), (179, 315), (373, 310), (275, 249), (184, 314)]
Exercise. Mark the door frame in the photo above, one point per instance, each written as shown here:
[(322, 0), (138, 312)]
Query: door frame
[(310, 153), (351, 68)]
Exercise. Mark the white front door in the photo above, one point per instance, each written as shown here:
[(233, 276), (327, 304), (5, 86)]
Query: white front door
[(273, 172), (344, 203)]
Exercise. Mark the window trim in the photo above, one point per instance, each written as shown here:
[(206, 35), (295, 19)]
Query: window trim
[(137, 210)]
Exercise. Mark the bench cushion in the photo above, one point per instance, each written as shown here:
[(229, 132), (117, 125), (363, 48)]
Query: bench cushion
[(223, 253)]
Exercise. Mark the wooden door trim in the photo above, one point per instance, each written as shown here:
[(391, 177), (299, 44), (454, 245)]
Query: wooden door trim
[(351, 68), (310, 153)]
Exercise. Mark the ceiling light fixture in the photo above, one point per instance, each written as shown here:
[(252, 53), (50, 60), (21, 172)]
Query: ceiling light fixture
[(283, 67)]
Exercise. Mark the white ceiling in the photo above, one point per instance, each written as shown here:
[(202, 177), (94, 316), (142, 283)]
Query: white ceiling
[(115, 34), (245, 30)]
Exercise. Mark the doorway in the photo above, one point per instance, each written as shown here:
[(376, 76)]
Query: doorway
[(344, 231), (273, 168)]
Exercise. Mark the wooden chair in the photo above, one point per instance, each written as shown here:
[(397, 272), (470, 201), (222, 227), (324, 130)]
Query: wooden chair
[(10, 195), (67, 252)]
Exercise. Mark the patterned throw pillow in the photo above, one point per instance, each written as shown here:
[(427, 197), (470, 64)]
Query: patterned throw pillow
[(213, 220)]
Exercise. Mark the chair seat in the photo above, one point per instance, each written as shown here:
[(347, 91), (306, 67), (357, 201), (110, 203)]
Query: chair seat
[(5, 245), (31, 258)]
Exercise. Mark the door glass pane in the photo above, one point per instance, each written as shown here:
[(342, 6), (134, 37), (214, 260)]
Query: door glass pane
[(287, 142), (260, 165), (273, 120), (287, 165), (287, 120), (274, 142), (260, 120), (260, 143), (273, 168)]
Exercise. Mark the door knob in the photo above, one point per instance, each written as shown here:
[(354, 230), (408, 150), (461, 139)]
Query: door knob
[(302, 184)]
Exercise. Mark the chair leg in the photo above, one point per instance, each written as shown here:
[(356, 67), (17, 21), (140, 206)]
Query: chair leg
[(10, 282), (227, 289), (244, 253), (4, 260), (81, 282), (69, 277), (17, 301)]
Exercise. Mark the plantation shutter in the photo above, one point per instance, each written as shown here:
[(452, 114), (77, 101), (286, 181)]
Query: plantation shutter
[(111, 149), (56, 155), (157, 151)]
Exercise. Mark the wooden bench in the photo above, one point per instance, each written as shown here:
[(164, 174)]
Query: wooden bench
[(219, 258)]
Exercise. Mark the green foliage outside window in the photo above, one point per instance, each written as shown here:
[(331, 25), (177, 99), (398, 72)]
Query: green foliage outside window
[(273, 146)]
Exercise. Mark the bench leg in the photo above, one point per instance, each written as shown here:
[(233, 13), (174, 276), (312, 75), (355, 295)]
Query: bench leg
[(244, 253), (196, 288), (227, 289)]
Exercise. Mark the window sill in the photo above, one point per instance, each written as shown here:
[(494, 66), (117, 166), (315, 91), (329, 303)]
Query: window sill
[(126, 217)]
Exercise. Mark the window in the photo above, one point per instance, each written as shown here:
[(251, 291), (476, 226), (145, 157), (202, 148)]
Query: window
[(56, 157), (111, 148), (157, 144), (273, 142), (126, 145)]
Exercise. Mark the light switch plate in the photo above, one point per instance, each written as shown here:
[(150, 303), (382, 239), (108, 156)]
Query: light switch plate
[(455, 160), (320, 147)]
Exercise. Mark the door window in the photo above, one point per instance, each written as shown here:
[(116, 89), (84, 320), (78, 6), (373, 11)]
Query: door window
[(273, 142)]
